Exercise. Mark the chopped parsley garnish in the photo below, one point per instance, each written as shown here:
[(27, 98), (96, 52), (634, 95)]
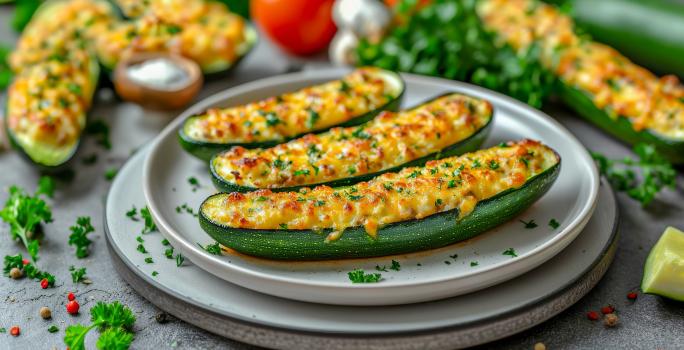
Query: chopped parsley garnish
[(283, 226), (173, 29), (554, 224), (29, 270), (353, 197), (360, 134), (511, 252), (302, 172), (447, 262), (214, 248), (141, 248), (165, 242), (149, 260), (319, 203), (79, 236), (474, 263), (438, 202), (186, 208), (414, 174), (168, 253), (24, 213), (529, 224), (451, 183), (525, 161), (272, 119), (313, 118), (382, 268), (154, 273), (359, 276), (139, 239), (149, 223), (53, 329), (351, 170), (476, 164), (77, 275), (447, 165), (261, 199), (194, 183), (99, 129), (133, 214), (74, 89), (455, 256), (388, 186), (110, 174), (179, 260), (114, 321), (344, 87), (493, 164), (395, 266), (280, 164)]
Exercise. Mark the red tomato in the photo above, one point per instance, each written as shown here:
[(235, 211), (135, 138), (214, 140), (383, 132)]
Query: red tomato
[(301, 27)]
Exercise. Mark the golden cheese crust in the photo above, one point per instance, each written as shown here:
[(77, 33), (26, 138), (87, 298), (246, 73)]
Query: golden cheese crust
[(412, 193), (313, 108), (204, 31), (389, 140), (614, 84)]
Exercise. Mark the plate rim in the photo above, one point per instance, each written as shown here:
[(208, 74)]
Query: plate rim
[(560, 240)]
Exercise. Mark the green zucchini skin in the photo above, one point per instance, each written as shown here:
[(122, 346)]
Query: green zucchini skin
[(649, 32), (432, 232), (470, 144), (205, 150), (621, 128)]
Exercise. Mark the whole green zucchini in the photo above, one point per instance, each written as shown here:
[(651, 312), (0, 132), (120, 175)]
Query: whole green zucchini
[(649, 32), (459, 121), (446, 225), (266, 123)]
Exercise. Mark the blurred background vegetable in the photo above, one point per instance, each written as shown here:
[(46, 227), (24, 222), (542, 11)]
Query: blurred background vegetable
[(23, 12), (445, 38), (241, 7), (300, 27), (5, 71)]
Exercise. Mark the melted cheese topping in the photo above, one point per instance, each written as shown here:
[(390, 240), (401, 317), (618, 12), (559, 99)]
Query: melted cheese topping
[(616, 85), (292, 114), (413, 193), (55, 78), (391, 139), (204, 31)]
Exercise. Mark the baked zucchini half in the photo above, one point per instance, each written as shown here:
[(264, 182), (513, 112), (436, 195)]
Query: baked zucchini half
[(444, 126), (417, 208), (599, 83), (203, 31), (353, 100)]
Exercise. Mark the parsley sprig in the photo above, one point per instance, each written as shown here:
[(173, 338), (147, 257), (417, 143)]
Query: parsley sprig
[(24, 213), (656, 173), (77, 275), (359, 276), (79, 236), (114, 321), (150, 226), (29, 270)]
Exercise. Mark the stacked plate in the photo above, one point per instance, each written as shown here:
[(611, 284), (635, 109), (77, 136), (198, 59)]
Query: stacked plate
[(456, 296)]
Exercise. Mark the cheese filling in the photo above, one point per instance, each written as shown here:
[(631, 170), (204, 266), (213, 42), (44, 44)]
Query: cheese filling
[(288, 115), (412, 193), (389, 140), (614, 84)]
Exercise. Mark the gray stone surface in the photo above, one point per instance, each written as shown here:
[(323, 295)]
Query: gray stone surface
[(648, 323)]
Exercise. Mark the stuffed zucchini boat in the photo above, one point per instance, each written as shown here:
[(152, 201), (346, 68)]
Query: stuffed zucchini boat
[(56, 77), (353, 100), (445, 126), (417, 208), (203, 31), (599, 83)]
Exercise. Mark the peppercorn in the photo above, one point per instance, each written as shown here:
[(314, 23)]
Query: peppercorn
[(45, 312), (71, 296), (610, 320), (632, 295), (15, 273), (539, 346), (593, 315), (162, 317), (44, 283), (608, 309), (15, 331), (72, 307)]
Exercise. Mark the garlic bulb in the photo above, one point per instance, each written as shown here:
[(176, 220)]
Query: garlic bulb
[(356, 19)]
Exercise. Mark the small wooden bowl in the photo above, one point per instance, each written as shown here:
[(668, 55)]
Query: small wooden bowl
[(149, 97)]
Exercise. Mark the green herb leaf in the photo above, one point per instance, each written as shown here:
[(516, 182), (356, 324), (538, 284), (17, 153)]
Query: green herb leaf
[(529, 224), (77, 275), (110, 174), (30, 270), (359, 276), (148, 260), (23, 12), (474, 263), (150, 226), (79, 236), (642, 179), (46, 186), (214, 249), (133, 214), (24, 213), (114, 339), (511, 252), (554, 224), (395, 266), (53, 329), (179, 260)]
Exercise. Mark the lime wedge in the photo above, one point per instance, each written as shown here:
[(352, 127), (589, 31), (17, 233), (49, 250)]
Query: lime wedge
[(664, 270)]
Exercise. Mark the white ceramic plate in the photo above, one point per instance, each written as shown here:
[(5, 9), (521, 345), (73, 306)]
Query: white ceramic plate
[(424, 276), (223, 308)]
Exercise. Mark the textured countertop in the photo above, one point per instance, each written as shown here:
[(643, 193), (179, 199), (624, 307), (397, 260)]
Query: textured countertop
[(649, 323)]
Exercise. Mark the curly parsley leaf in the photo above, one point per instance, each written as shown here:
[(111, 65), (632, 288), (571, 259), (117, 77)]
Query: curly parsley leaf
[(359, 276), (214, 249), (641, 179), (113, 320), (79, 236), (24, 213), (29, 270), (150, 226), (529, 224), (77, 275), (114, 339)]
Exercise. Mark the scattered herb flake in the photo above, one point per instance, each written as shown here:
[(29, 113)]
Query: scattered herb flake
[(79, 236), (359, 276), (529, 224), (474, 263), (214, 249), (554, 224), (511, 252), (179, 260), (149, 260), (133, 214), (165, 242), (395, 266), (168, 252), (154, 273), (77, 275), (150, 226), (141, 248), (194, 183), (53, 329), (110, 174), (382, 268)]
